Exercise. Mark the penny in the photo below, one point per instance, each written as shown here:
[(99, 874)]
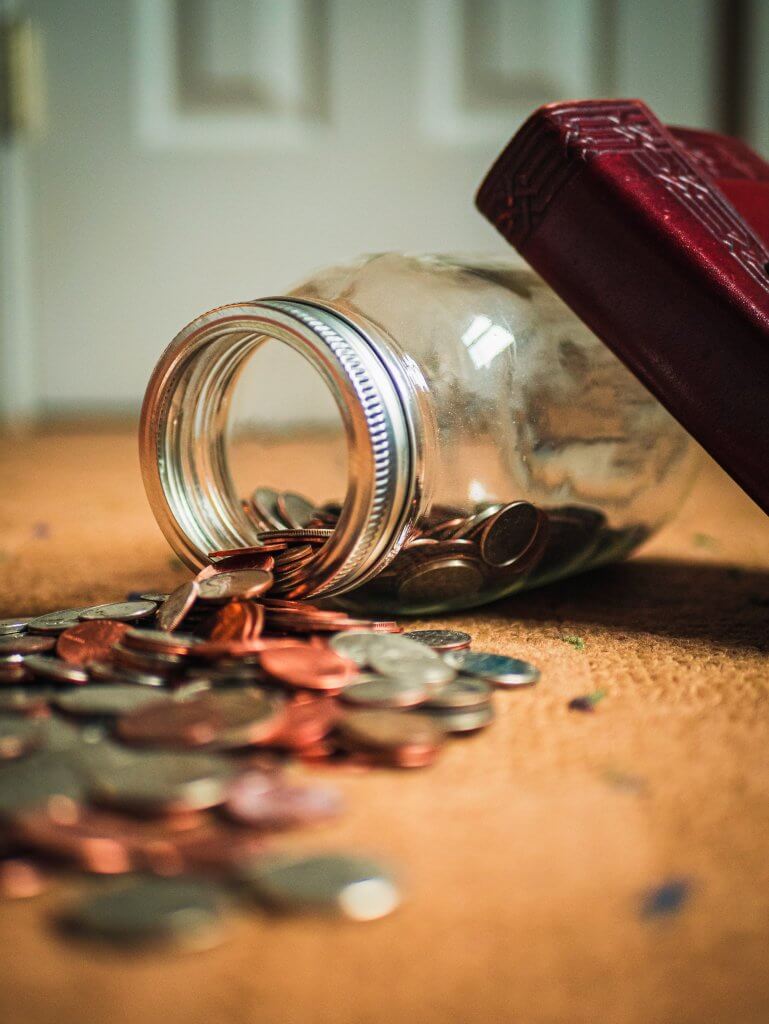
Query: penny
[(330, 883), (44, 667), (238, 620), (495, 668), (375, 691), (185, 912), (176, 606), (310, 667), (89, 641), (20, 879), (510, 534), (120, 610), (106, 699), (18, 624), (241, 583), (160, 782), (25, 643), (306, 723), (257, 800), (54, 622), (440, 639), (170, 723)]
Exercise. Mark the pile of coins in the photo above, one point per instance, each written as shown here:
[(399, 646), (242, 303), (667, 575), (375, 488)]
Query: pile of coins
[(452, 554), (153, 738)]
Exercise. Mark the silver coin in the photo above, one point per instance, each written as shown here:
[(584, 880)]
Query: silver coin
[(52, 668), (264, 502), (159, 781), (440, 639), (355, 644), (473, 524), (187, 912), (296, 511), (106, 699), (495, 668), (55, 622), (19, 736), (462, 692), (14, 625), (398, 657), (460, 719), (34, 780), (440, 580), (122, 611), (351, 886), (373, 691), (106, 672), (239, 583), (155, 598)]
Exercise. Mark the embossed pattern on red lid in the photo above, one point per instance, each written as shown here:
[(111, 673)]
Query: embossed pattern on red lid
[(628, 225)]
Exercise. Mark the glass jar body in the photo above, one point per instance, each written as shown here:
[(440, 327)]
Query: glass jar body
[(527, 451)]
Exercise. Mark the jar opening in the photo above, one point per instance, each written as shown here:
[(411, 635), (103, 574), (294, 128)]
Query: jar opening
[(187, 421)]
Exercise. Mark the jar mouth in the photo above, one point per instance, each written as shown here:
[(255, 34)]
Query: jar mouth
[(185, 425)]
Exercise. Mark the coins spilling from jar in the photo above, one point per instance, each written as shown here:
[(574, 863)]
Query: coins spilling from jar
[(453, 556), (166, 742)]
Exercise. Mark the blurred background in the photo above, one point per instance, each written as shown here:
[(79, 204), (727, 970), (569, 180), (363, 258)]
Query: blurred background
[(160, 157)]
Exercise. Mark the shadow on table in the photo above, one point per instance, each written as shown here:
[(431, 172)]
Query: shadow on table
[(723, 604)]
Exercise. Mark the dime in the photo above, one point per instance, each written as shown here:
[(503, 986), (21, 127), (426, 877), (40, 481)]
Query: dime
[(25, 643), (14, 625), (258, 800), (187, 912), (89, 641), (58, 671), (375, 691), (350, 886), (393, 734), (356, 645), (440, 639), (295, 511), (120, 610), (306, 666), (461, 719), (106, 699), (495, 668), (402, 658), (54, 622), (241, 583), (158, 641), (174, 609), (462, 692), (244, 716)]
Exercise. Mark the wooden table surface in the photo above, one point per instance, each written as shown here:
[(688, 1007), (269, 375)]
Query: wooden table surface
[(525, 852)]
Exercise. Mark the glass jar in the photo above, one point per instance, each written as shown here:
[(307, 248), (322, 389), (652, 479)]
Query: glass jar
[(494, 443)]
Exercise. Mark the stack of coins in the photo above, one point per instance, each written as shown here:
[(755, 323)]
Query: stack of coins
[(452, 554), (154, 738)]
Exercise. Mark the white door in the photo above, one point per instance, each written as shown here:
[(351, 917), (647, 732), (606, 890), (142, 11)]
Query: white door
[(196, 152)]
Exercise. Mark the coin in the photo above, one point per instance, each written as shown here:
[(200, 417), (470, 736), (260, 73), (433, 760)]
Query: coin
[(462, 692), (306, 723), (440, 639), (495, 668), (18, 736), (25, 643), (89, 641), (187, 912), (169, 723), (306, 666), (44, 667), (375, 691), (399, 657), (154, 597), (511, 533), (18, 624), (120, 610), (355, 645), (353, 887), (240, 583), (295, 511), (54, 622), (158, 641), (390, 733), (264, 501), (257, 799), (441, 581), (106, 699), (174, 609), (161, 782), (460, 719), (243, 717), (35, 780)]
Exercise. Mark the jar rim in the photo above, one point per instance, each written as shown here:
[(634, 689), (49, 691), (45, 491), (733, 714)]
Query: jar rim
[(185, 421)]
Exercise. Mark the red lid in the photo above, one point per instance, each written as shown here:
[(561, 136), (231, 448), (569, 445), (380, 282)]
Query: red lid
[(657, 238)]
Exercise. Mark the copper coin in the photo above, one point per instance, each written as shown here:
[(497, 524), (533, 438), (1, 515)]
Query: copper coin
[(311, 667), (306, 723), (240, 583), (89, 641), (26, 643), (147, 662), (41, 666), (173, 610), (244, 717), (237, 558), (238, 620)]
